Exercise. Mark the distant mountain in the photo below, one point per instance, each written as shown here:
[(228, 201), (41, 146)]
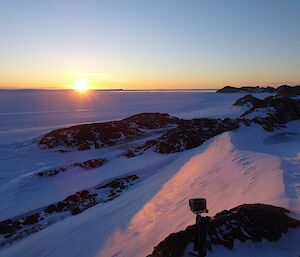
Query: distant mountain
[(257, 89), (282, 91)]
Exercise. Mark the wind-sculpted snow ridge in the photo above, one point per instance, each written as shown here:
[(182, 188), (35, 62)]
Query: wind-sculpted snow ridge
[(19, 227), (97, 135), (254, 222)]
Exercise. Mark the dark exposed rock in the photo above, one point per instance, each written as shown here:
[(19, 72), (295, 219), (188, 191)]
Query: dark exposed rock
[(282, 91), (87, 165), (9, 226), (51, 172), (51, 208), (58, 207), (271, 112), (79, 201), (140, 149), (90, 164), (120, 183), (31, 219), (187, 135), (192, 133), (253, 222), (17, 228), (152, 120), (250, 101), (76, 211), (61, 206), (274, 112), (288, 91), (96, 135), (257, 89), (115, 187)]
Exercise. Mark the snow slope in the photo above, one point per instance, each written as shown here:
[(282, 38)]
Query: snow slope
[(249, 165), (224, 172), (26, 115)]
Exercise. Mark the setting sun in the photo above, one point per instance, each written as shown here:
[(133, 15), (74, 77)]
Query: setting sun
[(81, 85)]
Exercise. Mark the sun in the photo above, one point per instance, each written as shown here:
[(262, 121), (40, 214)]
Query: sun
[(81, 85)]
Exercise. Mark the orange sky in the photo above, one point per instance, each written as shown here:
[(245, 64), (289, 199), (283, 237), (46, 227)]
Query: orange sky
[(149, 44)]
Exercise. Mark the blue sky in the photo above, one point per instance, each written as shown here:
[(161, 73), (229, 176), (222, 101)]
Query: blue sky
[(149, 44)]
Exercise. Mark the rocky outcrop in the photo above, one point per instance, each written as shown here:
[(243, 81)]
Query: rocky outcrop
[(97, 135), (90, 164), (187, 135), (257, 89), (116, 186), (253, 222), (52, 172), (273, 112), (281, 91), (175, 134), (86, 165), (288, 91), (140, 149), (152, 120), (192, 133), (249, 100), (19, 227)]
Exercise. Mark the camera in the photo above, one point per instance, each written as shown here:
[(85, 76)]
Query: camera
[(198, 205)]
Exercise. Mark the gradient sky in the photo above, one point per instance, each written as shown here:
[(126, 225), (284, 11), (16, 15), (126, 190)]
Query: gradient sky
[(143, 44)]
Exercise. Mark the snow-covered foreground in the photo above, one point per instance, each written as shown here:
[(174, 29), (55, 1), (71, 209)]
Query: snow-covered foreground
[(248, 165)]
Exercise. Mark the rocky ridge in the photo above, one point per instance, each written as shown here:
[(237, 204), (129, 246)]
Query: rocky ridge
[(86, 165), (253, 222), (271, 112), (281, 91), (18, 228), (257, 89), (97, 135)]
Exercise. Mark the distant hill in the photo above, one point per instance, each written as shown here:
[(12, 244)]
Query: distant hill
[(282, 91)]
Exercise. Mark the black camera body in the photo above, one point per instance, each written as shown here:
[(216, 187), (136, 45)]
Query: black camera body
[(198, 205)]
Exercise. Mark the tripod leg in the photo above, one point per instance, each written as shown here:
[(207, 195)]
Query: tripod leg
[(196, 239)]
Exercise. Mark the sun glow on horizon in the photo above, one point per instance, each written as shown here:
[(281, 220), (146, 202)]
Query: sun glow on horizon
[(81, 85)]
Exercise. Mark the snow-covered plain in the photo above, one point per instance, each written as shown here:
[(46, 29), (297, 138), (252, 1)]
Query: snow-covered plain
[(248, 165)]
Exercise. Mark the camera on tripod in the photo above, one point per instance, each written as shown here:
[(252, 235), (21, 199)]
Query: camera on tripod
[(198, 205)]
